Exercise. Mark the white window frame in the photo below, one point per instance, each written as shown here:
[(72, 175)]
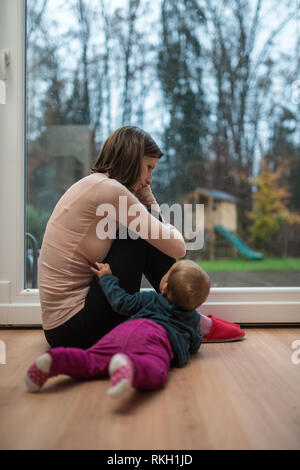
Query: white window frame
[(21, 307)]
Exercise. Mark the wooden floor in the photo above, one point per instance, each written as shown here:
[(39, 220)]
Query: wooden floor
[(243, 395)]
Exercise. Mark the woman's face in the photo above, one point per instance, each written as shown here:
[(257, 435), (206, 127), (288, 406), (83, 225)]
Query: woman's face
[(148, 165)]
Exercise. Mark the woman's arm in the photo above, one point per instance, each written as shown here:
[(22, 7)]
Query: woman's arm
[(131, 213)]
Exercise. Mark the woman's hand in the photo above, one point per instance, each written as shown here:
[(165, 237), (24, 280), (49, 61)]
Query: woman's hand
[(102, 269), (145, 195)]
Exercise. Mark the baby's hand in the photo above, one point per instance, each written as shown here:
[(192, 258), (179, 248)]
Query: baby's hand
[(102, 269)]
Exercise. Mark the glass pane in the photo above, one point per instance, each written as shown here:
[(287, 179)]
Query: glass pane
[(214, 82)]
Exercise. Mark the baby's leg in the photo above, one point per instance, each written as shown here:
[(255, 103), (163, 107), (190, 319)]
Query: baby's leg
[(74, 362), (121, 370), (151, 355), (151, 370), (205, 324), (145, 367), (146, 372)]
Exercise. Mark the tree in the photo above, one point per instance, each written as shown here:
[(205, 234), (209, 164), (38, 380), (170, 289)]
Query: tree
[(131, 29), (53, 104), (270, 209), (294, 179), (284, 124), (283, 149), (180, 73), (243, 70)]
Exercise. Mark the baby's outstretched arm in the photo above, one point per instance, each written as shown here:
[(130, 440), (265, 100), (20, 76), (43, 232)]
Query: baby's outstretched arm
[(120, 301)]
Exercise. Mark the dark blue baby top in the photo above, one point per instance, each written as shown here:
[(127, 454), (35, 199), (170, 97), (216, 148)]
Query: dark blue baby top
[(183, 326)]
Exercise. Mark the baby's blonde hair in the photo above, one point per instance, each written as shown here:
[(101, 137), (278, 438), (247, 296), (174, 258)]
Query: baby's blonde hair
[(188, 285)]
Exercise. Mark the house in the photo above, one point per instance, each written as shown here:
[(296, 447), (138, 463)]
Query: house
[(220, 209)]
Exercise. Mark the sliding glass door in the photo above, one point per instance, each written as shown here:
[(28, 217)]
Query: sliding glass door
[(208, 80)]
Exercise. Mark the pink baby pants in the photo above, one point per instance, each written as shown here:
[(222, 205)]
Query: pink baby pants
[(144, 341)]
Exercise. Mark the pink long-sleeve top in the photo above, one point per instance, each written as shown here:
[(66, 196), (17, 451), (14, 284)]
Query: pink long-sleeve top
[(72, 242)]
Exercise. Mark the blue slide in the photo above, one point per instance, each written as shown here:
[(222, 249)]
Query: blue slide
[(241, 247)]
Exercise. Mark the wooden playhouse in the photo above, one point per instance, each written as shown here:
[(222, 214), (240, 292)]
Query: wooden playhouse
[(220, 224)]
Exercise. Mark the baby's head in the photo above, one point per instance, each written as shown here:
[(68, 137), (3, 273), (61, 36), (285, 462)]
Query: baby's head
[(185, 285)]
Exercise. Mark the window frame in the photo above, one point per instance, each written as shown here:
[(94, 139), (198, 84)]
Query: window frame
[(21, 307)]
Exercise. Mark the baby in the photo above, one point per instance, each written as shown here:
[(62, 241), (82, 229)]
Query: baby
[(162, 330)]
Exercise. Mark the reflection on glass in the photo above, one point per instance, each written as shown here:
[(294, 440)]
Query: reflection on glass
[(207, 82)]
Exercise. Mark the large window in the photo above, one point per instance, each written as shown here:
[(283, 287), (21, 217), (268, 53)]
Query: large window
[(213, 81)]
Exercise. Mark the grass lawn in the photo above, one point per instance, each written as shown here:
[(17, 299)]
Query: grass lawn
[(239, 264)]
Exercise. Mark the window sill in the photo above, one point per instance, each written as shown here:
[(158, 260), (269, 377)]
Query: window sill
[(260, 305)]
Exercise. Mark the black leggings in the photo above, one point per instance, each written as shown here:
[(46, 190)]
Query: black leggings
[(128, 260)]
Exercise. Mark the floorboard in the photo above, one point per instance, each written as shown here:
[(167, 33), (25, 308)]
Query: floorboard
[(242, 395)]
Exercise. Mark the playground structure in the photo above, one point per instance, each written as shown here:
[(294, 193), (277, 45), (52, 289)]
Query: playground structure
[(220, 224)]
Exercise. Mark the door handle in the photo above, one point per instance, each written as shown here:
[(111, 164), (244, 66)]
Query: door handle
[(4, 63)]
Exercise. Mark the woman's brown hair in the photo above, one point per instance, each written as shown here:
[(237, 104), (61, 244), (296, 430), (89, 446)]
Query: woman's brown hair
[(122, 153)]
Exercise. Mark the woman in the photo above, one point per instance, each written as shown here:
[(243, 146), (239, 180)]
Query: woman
[(74, 310)]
